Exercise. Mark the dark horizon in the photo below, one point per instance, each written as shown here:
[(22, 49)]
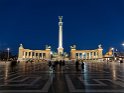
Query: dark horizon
[(34, 23)]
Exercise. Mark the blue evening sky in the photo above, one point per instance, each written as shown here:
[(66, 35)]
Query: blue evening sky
[(87, 23)]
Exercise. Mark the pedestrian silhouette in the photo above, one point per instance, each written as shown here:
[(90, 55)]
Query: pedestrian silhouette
[(77, 65), (50, 65), (82, 65)]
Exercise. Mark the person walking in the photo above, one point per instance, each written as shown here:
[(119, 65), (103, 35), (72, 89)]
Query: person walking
[(82, 65), (77, 65), (50, 65)]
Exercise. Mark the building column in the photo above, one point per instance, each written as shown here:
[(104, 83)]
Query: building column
[(31, 54), (42, 55), (93, 55), (77, 55), (34, 55), (96, 55), (87, 55), (39, 55), (100, 53), (24, 54), (21, 53), (28, 55), (82, 55), (73, 55)]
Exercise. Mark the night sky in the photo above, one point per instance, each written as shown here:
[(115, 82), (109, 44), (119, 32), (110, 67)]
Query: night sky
[(87, 23)]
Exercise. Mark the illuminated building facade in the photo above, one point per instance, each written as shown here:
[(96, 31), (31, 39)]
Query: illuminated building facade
[(26, 54)]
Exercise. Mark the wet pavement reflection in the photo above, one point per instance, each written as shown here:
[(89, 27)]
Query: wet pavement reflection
[(38, 77)]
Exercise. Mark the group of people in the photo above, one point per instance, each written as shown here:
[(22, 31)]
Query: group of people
[(77, 64), (53, 65)]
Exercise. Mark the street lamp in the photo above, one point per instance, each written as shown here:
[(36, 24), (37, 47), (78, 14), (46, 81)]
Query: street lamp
[(113, 53), (122, 44), (8, 49), (51, 53)]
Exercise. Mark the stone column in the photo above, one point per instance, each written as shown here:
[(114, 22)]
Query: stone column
[(97, 54), (24, 54), (60, 46), (93, 55), (82, 55), (73, 54), (38, 55), (100, 55), (20, 52), (87, 55), (78, 56), (41, 56), (47, 55), (27, 54), (31, 54), (34, 54)]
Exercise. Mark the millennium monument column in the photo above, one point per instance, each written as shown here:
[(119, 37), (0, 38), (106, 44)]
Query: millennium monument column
[(60, 42)]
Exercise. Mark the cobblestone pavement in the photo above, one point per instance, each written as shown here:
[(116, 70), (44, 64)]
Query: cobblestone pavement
[(96, 77)]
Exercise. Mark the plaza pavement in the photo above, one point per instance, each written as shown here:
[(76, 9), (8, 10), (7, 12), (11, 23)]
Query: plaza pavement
[(96, 77)]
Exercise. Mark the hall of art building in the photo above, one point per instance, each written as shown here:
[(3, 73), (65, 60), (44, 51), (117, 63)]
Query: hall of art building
[(112, 55), (46, 54)]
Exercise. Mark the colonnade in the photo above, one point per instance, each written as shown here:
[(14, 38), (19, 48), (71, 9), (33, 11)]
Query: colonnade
[(86, 54), (25, 54), (32, 54)]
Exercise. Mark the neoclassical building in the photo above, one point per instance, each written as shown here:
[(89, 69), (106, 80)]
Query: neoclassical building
[(86, 54), (26, 54)]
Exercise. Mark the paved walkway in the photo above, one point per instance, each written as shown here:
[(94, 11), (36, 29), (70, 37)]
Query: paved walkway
[(96, 77)]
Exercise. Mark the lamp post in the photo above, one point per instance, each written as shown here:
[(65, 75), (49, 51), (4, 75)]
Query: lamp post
[(51, 55), (8, 49), (123, 46), (113, 53)]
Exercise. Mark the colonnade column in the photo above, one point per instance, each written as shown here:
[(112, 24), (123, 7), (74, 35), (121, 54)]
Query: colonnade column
[(31, 54), (24, 54)]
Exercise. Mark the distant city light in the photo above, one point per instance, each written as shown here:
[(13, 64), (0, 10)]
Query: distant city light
[(112, 48), (51, 52), (122, 44), (8, 49)]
